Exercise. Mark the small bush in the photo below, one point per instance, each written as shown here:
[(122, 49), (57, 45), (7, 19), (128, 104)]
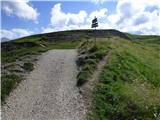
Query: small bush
[(81, 60), (28, 66), (91, 61), (93, 49), (100, 54), (82, 78), (8, 82), (82, 44)]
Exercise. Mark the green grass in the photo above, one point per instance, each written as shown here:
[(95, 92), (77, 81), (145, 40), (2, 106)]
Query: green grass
[(8, 82), (12, 56), (90, 54), (28, 66), (82, 77), (28, 39), (129, 86)]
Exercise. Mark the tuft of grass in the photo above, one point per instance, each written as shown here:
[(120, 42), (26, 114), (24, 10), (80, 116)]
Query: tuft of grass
[(28, 66), (8, 82), (82, 77)]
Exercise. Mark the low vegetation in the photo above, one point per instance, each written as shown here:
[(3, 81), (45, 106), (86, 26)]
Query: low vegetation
[(28, 66), (12, 56), (129, 86), (89, 55), (8, 82)]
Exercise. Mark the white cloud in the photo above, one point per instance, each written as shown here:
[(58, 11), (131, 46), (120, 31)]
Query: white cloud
[(60, 18), (100, 14), (140, 17), (68, 21), (133, 16), (47, 30), (20, 8), (98, 1), (101, 1), (15, 33), (66, 27)]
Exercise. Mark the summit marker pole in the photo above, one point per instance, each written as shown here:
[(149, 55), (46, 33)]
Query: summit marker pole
[(94, 25)]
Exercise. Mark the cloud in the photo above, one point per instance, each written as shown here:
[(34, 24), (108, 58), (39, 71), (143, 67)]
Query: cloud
[(140, 17), (20, 8), (101, 1), (68, 27), (60, 18), (98, 1), (100, 14), (68, 21), (15, 33), (47, 29)]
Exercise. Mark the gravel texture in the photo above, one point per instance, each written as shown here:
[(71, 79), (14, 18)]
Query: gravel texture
[(49, 92)]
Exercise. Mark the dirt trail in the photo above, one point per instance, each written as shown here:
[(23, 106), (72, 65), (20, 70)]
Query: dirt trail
[(88, 88), (49, 92)]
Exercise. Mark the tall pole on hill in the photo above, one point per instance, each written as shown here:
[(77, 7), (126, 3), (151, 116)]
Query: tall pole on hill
[(94, 25)]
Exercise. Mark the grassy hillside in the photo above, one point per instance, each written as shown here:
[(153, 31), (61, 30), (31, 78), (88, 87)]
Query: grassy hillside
[(129, 86), (35, 44)]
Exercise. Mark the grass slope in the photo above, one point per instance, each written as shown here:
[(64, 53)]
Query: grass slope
[(129, 86), (12, 56)]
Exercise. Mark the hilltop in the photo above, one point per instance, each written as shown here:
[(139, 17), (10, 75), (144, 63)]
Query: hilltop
[(72, 35)]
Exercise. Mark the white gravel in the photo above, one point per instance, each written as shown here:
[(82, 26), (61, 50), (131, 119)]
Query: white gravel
[(49, 92)]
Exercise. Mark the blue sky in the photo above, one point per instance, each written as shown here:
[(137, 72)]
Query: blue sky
[(23, 17), (44, 8)]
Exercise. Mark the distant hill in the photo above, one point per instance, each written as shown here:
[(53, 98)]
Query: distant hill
[(71, 35), (4, 39)]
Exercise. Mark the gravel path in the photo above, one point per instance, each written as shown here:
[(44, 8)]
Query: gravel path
[(49, 92)]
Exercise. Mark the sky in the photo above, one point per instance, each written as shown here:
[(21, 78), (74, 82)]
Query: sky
[(21, 18)]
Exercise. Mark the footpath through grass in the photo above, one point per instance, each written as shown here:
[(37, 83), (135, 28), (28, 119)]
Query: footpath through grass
[(129, 86), (10, 80)]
